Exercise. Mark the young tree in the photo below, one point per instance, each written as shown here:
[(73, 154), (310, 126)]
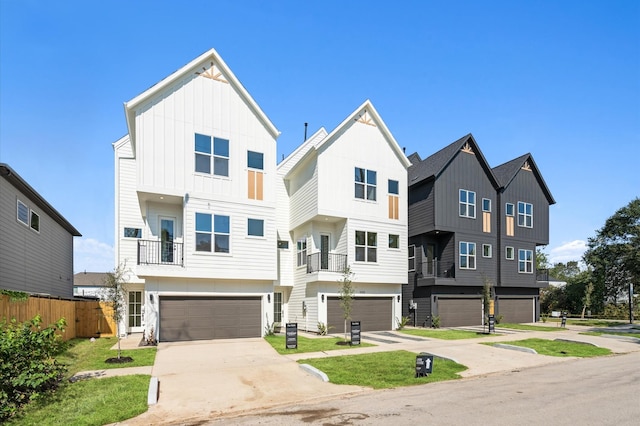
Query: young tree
[(586, 300), (115, 293), (486, 298), (346, 296)]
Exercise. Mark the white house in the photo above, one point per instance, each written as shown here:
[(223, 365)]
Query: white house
[(342, 201), (195, 209)]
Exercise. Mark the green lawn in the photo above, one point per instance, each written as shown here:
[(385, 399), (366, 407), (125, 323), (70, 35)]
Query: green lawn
[(382, 370), (559, 348), (530, 327), (93, 401), (615, 333), (590, 322), (445, 334), (305, 344)]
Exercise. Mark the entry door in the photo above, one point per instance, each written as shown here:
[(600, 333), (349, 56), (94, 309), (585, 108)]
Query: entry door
[(429, 257), (324, 251), (166, 239), (135, 312)]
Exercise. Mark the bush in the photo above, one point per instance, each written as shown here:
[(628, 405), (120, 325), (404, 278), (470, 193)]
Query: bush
[(28, 368), (402, 322)]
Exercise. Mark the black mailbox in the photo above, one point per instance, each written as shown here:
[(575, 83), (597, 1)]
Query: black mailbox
[(292, 335), (492, 323), (424, 364)]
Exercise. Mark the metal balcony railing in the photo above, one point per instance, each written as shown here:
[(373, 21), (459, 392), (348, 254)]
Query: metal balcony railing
[(542, 275), (153, 252), (330, 262), (437, 269)]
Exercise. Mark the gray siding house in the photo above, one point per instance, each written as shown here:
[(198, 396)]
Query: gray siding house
[(36, 254), (461, 237)]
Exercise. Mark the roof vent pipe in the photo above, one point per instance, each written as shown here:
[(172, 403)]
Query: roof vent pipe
[(305, 131)]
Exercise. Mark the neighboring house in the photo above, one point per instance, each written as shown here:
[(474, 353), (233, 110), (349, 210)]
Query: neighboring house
[(342, 203), (37, 242), (89, 284), (195, 207), (470, 224)]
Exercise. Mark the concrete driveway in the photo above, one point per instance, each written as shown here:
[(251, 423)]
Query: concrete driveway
[(204, 379)]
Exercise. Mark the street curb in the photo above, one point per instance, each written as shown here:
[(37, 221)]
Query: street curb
[(516, 348), (154, 390), (315, 372)]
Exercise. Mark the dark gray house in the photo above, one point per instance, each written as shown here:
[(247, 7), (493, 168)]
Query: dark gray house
[(36, 254), (470, 224)]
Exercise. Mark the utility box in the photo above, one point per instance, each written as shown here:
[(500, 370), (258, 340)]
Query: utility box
[(424, 364)]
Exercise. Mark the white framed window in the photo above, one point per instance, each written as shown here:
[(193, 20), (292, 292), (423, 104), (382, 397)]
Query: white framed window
[(365, 184), (366, 246), (525, 261), (486, 205), (467, 204), (412, 258), (208, 160), (487, 250), (509, 211), (255, 227), (255, 160), (34, 222), (221, 233), (525, 214), (509, 253), (301, 251), (22, 213), (277, 307), (394, 241), (216, 235), (203, 232), (132, 232), (467, 255)]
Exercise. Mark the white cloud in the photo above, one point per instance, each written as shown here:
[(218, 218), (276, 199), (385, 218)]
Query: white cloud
[(91, 255), (567, 252)]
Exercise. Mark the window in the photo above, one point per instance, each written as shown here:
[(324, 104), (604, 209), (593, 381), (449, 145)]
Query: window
[(283, 244), (132, 233), (23, 213), (204, 158), (467, 204), (509, 209), (509, 253), (302, 252), (203, 232), (365, 181), (467, 255), (487, 250), (277, 307), (221, 233), (255, 227), (412, 258), (486, 205), (394, 241), (525, 215), (35, 221), (255, 164), (394, 199), (525, 261), (366, 246)]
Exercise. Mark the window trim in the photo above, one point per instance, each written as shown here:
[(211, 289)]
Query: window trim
[(124, 232), (489, 209), (25, 222), (366, 247), (506, 253), (525, 262), (366, 185), (397, 182), (301, 252), (467, 204), (221, 234), (31, 214), (468, 255), (204, 232), (524, 215), (397, 246), (409, 257), (506, 209), (261, 168), (248, 227), (490, 253)]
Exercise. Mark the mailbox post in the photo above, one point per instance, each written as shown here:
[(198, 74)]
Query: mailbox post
[(355, 332), (424, 364), (292, 335)]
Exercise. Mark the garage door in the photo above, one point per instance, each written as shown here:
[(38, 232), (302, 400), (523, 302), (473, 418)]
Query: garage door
[(374, 313), (204, 318), (516, 310), (456, 312)]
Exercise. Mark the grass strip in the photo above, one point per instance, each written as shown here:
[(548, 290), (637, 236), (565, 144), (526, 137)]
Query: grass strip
[(530, 327), (558, 348), (615, 333), (445, 334), (305, 344)]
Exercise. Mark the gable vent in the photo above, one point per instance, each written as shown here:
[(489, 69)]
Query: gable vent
[(467, 148)]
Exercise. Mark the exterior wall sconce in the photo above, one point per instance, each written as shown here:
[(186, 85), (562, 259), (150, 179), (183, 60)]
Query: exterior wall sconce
[(151, 297), (398, 298), (269, 298), (322, 298)]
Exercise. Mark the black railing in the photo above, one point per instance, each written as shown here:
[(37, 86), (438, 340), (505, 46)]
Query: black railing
[(542, 275), (330, 262), (437, 269), (152, 252)]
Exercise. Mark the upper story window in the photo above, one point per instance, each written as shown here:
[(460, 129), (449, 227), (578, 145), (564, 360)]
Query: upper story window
[(487, 250), (255, 175), (283, 244), (255, 227), (301, 248), (467, 255), (208, 159), (509, 253), (365, 184), (394, 199), (394, 241), (509, 222), (366, 246), (35, 221), (486, 205), (525, 261), (132, 233), (509, 209), (22, 213), (219, 236), (525, 214), (412, 258), (467, 203)]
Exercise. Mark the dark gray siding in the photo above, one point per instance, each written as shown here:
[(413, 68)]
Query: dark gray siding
[(486, 267), (421, 202), (31, 261), (422, 296), (509, 275)]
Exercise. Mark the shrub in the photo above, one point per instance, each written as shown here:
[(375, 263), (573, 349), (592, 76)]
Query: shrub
[(435, 321), (402, 322), (28, 368)]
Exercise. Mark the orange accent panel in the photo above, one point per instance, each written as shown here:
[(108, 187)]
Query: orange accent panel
[(510, 226), (251, 185), (486, 222), (393, 207), (259, 191)]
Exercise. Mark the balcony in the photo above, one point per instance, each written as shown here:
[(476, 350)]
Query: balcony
[(153, 252), (542, 275), (435, 272), (328, 262)]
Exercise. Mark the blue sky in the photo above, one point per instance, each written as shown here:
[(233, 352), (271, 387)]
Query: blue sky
[(558, 79)]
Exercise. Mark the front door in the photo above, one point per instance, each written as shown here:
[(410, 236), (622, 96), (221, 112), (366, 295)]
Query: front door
[(429, 257), (166, 239), (324, 251), (134, 312)]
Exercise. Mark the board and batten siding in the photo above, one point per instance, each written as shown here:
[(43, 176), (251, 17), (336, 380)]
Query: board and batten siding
[(30, 261), (421, 208), (509, 275), (303, 194)]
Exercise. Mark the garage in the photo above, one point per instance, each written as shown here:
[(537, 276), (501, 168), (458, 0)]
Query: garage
[(517, 310), (457, 312), (184, 318), (374, 313)]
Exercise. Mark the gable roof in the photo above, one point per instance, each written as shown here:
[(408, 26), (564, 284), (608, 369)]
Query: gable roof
[(210, 57), (302, 150), (21, 185), (434, 165), (506, 172), (90, 279)]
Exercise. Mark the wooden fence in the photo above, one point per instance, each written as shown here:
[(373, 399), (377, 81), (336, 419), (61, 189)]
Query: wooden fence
[(85, 318)]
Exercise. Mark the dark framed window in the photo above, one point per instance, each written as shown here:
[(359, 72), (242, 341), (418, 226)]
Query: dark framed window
[(394, 241), (282, 244), (132, 233), (412, 258), (35, 221), (255, 227)]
